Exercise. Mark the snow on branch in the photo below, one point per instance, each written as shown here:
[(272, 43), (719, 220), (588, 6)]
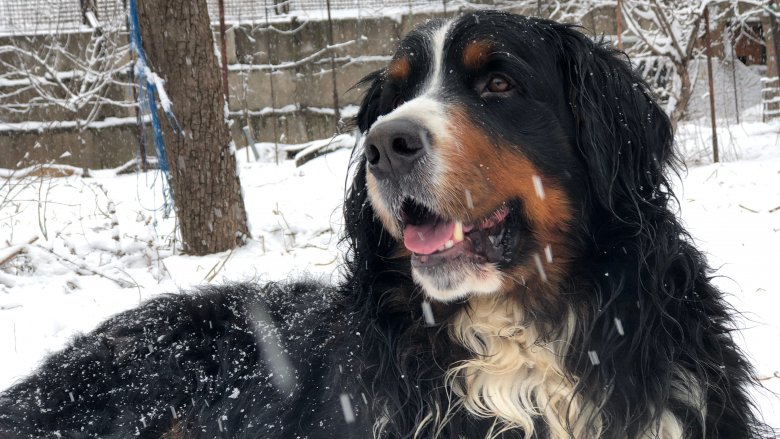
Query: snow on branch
[(669, 29), (292, 64)]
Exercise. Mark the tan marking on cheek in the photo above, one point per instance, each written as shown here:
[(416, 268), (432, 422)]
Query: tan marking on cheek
[(476, 53), (494, 174), (380, 208), (399, 69)]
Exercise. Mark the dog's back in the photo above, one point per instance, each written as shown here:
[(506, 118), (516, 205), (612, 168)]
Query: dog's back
[(231, 361)]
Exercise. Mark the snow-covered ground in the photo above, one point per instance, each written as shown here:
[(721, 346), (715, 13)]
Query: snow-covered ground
[(103, 245), (732, 209)]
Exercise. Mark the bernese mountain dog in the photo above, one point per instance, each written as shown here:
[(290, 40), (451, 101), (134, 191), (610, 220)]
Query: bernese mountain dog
[(515, 269)]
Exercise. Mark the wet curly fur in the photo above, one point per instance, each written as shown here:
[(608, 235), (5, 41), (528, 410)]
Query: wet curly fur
[(282, 360)]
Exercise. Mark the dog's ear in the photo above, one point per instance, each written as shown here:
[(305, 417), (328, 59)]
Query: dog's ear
[(622, 134), (369, 107)]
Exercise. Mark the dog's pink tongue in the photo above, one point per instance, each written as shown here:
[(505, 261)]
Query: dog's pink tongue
[(425, 239)]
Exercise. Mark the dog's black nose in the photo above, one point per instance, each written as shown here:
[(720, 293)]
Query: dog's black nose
[(393, 147)]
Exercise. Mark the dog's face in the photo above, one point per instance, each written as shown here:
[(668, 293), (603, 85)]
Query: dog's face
[(469, 155)]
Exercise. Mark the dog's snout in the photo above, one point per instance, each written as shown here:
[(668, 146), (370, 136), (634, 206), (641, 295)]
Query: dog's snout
[(392, 148)]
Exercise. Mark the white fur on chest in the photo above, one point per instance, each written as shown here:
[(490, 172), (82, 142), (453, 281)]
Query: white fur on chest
[(515, 376)]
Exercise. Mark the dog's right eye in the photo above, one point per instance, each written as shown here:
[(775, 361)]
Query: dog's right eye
[(496, 84)]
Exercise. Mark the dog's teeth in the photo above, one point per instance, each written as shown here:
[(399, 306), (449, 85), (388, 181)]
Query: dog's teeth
[(448, 244), (458, 234)]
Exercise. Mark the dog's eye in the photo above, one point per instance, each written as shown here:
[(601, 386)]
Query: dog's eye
[(398, 100), (497, 84)]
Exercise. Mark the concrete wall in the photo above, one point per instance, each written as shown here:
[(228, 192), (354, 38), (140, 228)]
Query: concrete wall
[(90, 148), (302, 94)]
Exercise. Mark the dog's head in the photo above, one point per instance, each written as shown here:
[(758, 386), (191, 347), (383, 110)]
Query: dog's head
[(496, 145)]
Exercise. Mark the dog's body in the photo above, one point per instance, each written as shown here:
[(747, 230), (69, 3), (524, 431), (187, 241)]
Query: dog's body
[(514, 175)]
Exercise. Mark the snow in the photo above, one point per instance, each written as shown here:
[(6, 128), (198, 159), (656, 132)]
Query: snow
[(594, 358), (104, 245), (395, 10), (69, 124), (538, 187), (159, 84), (289, 108), (430, 320), (727, 103), (53, 291), (619, 326), (732, 209), (292, 64), (346, 407)]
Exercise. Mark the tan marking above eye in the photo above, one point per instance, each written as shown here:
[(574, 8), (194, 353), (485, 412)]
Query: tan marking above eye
[(476, 53), (399, 69)]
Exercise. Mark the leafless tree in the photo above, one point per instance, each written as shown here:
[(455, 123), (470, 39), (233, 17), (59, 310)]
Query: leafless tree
[(671, 30), (179, 44), (668, 29), (74, 73)]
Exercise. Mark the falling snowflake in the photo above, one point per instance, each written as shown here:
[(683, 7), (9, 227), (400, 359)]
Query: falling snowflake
[(538, 187), (346, 407), (539, 267), (428, 314), (594, 358)]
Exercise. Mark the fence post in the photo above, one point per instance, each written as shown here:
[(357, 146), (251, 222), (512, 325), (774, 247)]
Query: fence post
[(734, 73), (708, 48), (272, 115), (336, 111)]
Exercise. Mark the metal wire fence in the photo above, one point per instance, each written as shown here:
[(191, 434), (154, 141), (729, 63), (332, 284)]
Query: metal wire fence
[(26, 16), (292, 65)]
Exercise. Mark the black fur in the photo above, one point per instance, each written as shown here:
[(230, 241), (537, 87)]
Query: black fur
[(204, 364)]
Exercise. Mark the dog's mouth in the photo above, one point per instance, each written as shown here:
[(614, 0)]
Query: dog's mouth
[(435, 240)]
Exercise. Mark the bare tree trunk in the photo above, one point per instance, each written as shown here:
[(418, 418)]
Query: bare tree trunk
[(686, 90), (179, 45)]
